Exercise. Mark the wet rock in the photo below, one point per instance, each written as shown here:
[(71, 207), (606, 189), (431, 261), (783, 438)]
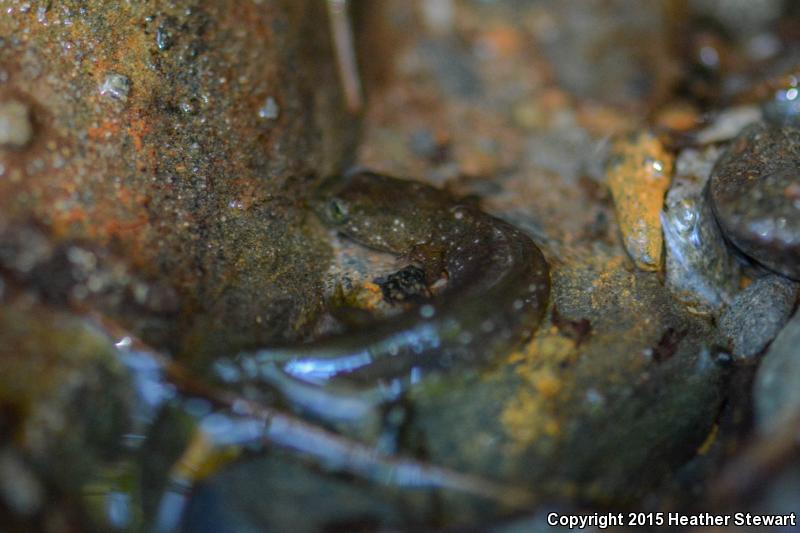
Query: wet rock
[(638, 173), (16, 129), (148, 141), (553, 415), (700, 270), (757, 314), (777, 384), (755, 194)]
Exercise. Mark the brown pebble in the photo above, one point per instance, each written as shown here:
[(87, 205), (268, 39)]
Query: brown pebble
[(753, 192)]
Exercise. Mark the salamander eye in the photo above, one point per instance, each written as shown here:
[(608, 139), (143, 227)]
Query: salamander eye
[(337, 211)]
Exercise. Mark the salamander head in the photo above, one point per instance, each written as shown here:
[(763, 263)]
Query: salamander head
[(378, 211), (331, 204)]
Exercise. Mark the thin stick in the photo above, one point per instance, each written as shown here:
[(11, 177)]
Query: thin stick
[(329, 449), (346, 63)]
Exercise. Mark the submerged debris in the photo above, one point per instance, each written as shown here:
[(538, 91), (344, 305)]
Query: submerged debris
[(408, 284), (638, 172)]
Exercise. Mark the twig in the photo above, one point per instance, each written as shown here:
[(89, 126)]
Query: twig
[(344, 48), (328, 449)]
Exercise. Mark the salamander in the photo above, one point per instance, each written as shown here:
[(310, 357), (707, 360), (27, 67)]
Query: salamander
[(496, 291)]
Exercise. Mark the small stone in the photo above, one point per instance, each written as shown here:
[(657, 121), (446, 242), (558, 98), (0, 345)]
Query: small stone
[(754, 194), (777, 385), (638, 171), (270, 110), (16, 129), (757, 314), (116, 86)]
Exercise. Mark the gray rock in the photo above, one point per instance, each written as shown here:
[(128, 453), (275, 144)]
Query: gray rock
[(777, 385), (757, 314)]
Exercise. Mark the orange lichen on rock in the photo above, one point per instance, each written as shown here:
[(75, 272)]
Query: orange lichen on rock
[(638, 172), (533, 412)]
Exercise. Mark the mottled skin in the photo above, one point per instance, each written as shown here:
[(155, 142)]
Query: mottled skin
[(496, 290)]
